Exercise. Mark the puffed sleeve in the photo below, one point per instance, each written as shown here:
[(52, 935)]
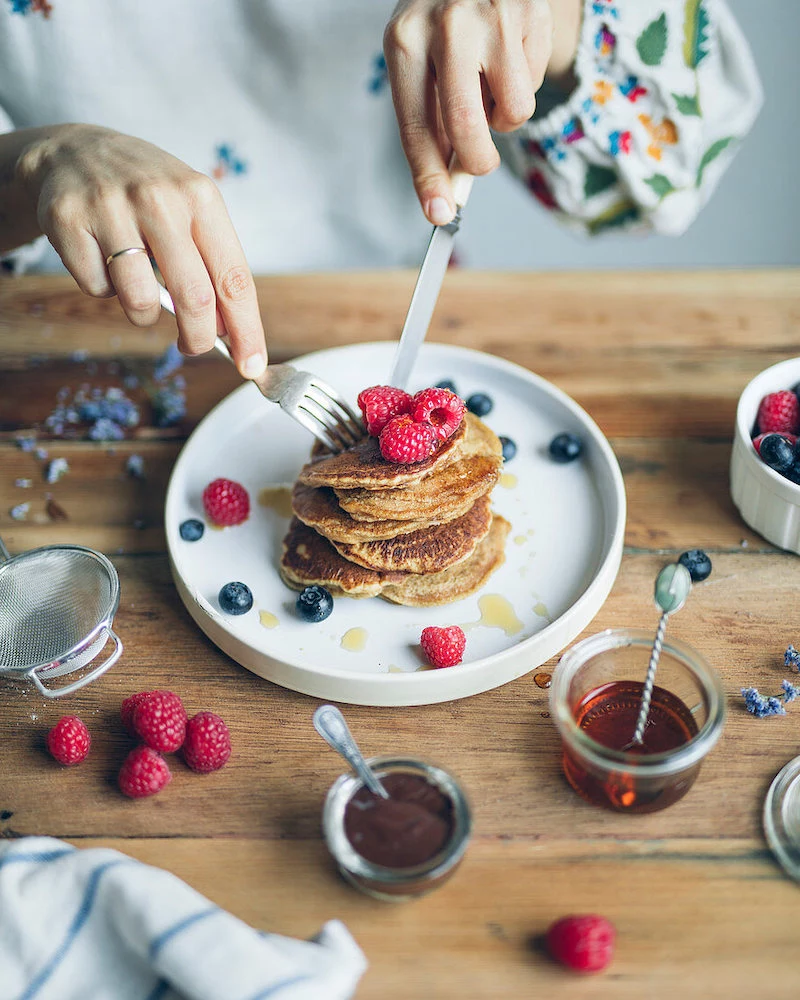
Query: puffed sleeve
[(666, 89)]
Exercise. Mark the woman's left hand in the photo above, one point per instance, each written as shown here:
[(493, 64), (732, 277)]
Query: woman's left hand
[(460, 67)]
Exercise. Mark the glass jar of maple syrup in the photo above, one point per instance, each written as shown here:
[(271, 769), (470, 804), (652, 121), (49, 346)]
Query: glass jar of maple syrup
[(595, 697)]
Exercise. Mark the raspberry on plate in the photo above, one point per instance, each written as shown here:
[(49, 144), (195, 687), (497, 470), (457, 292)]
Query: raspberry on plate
[(405, 441), (208, 743), (69, 740), (160, 720), (380, 403), (584, 943), (444, 647), (144, 772), (440, 408), (779, 411), (226, 502)]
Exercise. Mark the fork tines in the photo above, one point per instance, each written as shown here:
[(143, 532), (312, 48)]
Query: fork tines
[(327, 412)]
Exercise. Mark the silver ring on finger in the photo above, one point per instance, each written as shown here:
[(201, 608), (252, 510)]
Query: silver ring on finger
[(124, 253)]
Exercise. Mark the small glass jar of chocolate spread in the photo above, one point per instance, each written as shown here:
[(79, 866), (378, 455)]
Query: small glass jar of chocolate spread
[(401, 847)]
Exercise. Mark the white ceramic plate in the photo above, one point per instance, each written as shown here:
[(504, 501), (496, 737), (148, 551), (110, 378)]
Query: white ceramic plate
[(562, 557)]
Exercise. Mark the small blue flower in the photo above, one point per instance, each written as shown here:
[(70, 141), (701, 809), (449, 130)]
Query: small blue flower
[(135, 466), (790, 692), (760, 705), (56, 469), (791, 658)]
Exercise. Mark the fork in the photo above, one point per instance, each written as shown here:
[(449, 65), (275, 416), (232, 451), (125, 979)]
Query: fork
[(303, 396)]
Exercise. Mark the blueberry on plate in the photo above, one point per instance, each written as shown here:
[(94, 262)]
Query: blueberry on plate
[(480, 404), (509, 448), (235, 598), (314, 604), (565, 448), (447, 383), (777, 452), (698, 564), (192, 530)]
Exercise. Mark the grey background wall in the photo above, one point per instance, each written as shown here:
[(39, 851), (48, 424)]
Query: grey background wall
[(753, 218)]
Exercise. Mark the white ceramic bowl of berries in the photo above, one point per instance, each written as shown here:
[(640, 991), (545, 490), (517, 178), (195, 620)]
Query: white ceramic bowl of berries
[(765, 462)]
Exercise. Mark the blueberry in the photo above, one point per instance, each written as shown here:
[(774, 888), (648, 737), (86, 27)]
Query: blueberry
[(235, 598), (192, 530), (698, 564), (509, 448), (447, 384), (480, 404), (793, 472), (777, 452), (565, 448), (314, 604)]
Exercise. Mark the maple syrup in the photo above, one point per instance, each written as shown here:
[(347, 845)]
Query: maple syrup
[(508, 480), (277, 498), (267, 619), (608, 714), (542, 680), (497, 612), (354, 640)]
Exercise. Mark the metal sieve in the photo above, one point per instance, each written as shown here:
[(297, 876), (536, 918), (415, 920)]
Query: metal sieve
[(56, 608)]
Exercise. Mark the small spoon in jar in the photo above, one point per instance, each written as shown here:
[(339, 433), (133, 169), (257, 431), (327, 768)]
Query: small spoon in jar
[(329, 723)]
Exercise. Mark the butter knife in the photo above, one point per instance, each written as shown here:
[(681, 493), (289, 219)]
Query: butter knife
[(429, 283)]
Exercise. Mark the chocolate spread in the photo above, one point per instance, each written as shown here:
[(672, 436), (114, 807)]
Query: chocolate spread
[(407, 829)]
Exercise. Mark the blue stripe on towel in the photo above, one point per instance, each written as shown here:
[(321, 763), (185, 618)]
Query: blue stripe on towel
[(272, 991), (36, 856), (75, 927), (182, 925)]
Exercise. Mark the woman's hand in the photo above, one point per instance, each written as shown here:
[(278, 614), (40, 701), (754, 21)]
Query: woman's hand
[(460, 67), (97, 192)]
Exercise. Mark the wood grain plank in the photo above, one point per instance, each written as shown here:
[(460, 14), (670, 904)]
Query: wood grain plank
[(679, 910), (502, 743), (687, 342)]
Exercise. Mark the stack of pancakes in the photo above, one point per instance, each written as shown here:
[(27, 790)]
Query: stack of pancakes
[(420, 534)]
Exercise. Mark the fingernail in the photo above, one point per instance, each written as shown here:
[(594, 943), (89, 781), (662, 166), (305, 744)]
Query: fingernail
[(439, 212), (254, 366)]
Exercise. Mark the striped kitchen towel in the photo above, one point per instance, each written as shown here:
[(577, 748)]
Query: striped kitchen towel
[(97, 925)]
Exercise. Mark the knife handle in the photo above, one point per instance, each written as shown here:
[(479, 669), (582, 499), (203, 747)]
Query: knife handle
[(460, 180)]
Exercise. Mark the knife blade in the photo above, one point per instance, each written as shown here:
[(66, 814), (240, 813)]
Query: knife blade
[(429, 284)]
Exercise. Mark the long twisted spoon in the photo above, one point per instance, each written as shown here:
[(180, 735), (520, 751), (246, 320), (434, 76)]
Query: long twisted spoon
[(672, 588), (329, 723)]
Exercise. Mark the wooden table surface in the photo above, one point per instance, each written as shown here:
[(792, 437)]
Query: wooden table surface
[(702, 909)]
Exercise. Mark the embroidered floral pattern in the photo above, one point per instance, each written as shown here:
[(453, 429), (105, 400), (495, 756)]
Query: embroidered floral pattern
[(619, 142), (663, 134), (31, 7), (632, 89), (540, 189), (603, 92), (379, 80), (227, 162)]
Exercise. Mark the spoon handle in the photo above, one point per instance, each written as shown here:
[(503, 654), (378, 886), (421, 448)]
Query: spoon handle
[(331, 726)]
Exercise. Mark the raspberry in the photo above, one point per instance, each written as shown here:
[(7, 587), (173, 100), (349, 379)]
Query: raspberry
[(127, 708), (779, 411), (405, 441), (208, 743), (380, 403), (757, 441), (226, 502), (584, 943), (444, 647), (440, 408), (144, 772), (160, 720), (69, 740)]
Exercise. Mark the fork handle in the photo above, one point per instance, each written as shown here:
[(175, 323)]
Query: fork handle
[(166, 303)]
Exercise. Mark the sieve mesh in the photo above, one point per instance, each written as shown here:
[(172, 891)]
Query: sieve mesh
[(51, 600)]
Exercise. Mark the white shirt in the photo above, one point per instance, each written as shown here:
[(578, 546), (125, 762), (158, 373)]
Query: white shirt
[(286, 103)]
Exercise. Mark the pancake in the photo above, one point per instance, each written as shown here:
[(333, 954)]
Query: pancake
[(309, 558), (428, 550), (364, 466), (319, 509), (443, 494)]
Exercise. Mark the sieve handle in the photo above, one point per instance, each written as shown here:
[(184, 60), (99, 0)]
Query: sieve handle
[(70, 688)]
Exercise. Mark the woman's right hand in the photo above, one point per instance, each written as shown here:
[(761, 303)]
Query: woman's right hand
[(97, 191)]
